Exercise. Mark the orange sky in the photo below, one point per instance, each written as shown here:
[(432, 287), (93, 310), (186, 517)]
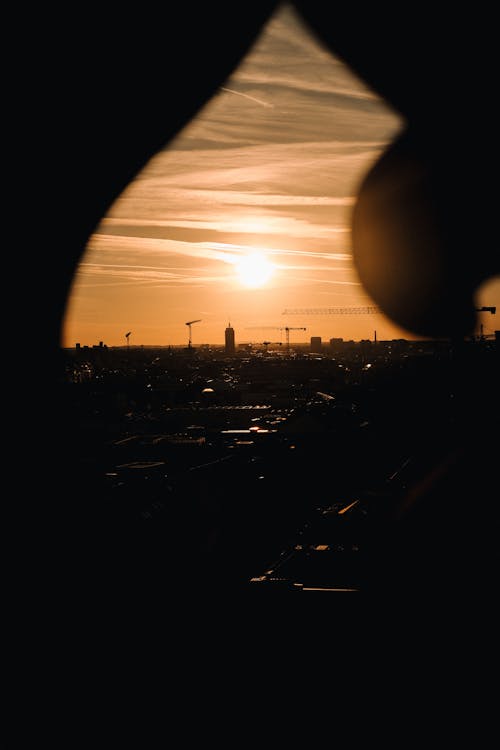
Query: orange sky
[(270, 167)]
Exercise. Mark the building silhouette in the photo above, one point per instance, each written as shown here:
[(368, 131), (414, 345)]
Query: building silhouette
[(229, 334), (316, 344), (336, 344)]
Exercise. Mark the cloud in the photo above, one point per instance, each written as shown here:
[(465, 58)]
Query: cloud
[(294, 191), (238, 198), (97, 275), (247, 96), (218, 251), (328, 281), (283, 252), (291, 54), (105, 244), (99, 270)]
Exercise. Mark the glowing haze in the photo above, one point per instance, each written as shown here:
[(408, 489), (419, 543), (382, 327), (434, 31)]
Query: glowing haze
[(245, 213)]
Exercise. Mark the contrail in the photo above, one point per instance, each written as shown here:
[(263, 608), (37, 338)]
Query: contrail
[(247, 96)]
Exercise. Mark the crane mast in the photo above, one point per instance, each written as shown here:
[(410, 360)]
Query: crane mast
[(287, 330), (189, 324)]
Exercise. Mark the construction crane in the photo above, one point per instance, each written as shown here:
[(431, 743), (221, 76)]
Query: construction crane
[(287, 330), (366, 310), (491, 310), (189, 324), (363, 310)]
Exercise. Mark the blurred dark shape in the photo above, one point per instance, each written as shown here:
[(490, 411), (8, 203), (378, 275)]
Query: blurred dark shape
[(423, 234)]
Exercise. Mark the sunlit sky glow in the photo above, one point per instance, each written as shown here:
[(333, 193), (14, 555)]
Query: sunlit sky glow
[(246, 213)]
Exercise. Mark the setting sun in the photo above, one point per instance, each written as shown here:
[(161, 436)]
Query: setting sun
[(254, 270)]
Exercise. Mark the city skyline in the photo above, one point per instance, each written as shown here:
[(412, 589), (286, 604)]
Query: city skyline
[(246, 212)]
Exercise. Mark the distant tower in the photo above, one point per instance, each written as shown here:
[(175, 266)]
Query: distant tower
[(316, 344), (229, 340)]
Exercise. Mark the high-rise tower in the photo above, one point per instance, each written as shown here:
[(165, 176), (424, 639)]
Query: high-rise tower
[(316, 345), (229, 340)]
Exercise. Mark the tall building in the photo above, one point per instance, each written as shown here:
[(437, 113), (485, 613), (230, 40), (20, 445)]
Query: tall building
[(316, 344), (229, 340)]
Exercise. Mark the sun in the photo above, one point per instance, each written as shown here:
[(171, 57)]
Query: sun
[(254, 270)]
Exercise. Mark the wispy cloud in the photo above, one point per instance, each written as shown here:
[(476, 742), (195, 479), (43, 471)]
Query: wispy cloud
[(106, 243), (220, 268), (284, 252), (100, 274), (336, 282), (239, 198), (219, 251), (247, 96)]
